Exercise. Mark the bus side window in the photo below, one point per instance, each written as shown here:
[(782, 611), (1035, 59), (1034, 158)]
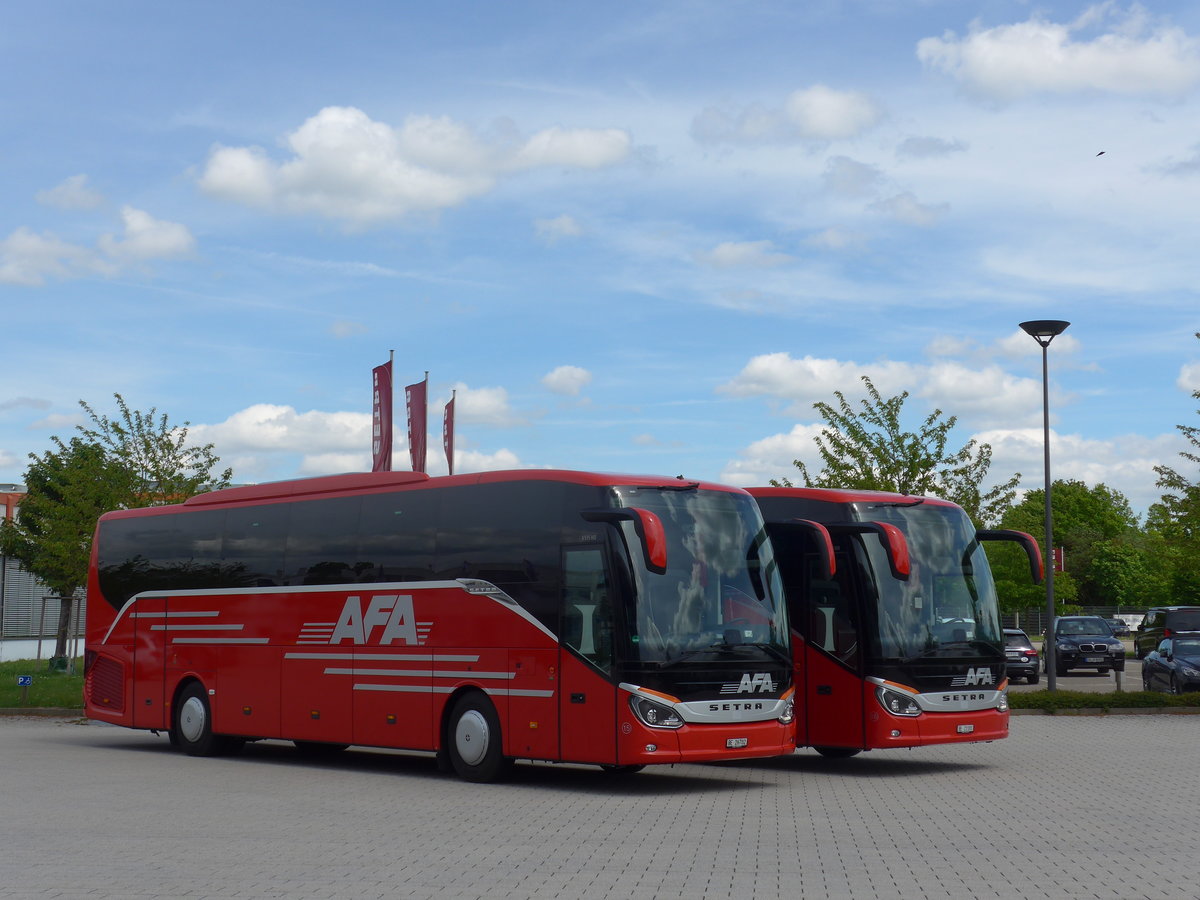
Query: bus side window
[(832, 625), (587, 615)]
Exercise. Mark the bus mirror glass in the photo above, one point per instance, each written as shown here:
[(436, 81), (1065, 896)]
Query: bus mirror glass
[(895, 546), (649, 528), (826, 561), (1037, 570)]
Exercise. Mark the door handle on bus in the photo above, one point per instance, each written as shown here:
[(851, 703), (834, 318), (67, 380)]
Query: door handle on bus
[(825, 689), (579, 698)]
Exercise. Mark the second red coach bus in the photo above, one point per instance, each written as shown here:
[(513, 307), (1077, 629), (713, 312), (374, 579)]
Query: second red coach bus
[(549, 615), (896, 628)]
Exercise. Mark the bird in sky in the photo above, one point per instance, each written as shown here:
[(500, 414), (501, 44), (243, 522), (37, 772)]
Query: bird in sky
[(1101, 153)]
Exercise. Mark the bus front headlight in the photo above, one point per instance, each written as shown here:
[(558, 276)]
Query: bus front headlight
[(789, 712), (654, 715), (896, 702)]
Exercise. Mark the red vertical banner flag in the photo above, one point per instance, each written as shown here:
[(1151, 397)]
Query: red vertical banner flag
[(448, 433), (381, 418), (417, 415)]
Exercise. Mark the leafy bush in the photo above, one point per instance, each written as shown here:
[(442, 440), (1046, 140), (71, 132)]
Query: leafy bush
[(1052, 700)]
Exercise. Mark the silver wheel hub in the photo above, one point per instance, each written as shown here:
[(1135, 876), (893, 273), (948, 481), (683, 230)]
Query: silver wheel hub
[(192, 719), (471, 737)]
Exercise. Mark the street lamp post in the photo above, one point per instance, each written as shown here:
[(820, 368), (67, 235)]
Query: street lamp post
[(1044, 331)]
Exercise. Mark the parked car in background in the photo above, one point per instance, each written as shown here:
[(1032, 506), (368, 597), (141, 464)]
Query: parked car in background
[(1021, 658), (1162, 622), (1085, 642), (1175, 666), (1119, 628)]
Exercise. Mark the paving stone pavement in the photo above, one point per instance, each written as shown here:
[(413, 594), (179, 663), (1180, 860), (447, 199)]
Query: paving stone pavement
[(1078, 807)]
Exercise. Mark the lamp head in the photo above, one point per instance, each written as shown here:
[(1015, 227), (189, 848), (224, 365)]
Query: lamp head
[(1044, 330)]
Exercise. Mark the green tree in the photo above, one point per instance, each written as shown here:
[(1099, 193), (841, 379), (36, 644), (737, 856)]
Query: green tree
[(1090, 524), (139, 459), (163, 467), (868, 449), (68, 488)]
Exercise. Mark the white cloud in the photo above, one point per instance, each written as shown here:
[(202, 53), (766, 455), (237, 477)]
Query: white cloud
[(29, 259), (268, 426), (823, 113), (1125, 462), (837, 238), (805, 381), (25, 403), (1017, 344), (484, 406), (928, 147), (475, 461), (72, 193), (312, 464), (1134, 56), (986, 397), (750, 254), (146, 238), (773, 456), (817, 113), (553, 230), (568, 380), (849, 178), (583, 148), (1189, 377), (906, 208), (348, 167)]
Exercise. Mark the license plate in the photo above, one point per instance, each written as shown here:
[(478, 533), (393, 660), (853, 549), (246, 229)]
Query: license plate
[(966, 729), (736, 743), (1014, 655), (1094, 659)]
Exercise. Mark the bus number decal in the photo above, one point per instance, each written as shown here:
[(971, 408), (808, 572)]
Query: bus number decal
[(392, 612)]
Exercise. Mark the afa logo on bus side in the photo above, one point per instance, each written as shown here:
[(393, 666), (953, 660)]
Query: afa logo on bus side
[(391, 612)]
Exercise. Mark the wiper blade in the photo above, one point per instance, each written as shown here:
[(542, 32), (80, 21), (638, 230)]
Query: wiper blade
[(682, 486)]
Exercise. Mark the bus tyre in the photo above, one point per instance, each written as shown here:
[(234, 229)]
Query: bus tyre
[(474, 741), (192, 731), (837, 752)]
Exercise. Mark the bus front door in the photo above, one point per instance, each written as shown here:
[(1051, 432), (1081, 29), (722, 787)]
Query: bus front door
[(833, 685), (587, 697)]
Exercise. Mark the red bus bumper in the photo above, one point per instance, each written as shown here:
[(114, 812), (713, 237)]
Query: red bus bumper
[(884, 730), (639, 745)]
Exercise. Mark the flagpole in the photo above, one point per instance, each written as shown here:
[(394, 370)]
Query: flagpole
[(391, 403)]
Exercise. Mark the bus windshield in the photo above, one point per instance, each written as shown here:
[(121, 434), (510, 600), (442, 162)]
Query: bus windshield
[(948, 606), (721, 591)]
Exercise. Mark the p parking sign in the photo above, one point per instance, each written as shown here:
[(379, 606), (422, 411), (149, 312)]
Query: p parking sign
[(24, 680)]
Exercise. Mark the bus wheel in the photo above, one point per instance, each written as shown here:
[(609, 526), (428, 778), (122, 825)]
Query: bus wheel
[(837, 752), (622, 770), (192, 731), (474, 743)]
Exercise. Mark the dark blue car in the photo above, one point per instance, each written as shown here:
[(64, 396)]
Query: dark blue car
[(1175, 666)]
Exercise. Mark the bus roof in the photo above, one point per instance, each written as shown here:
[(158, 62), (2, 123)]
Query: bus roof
[(378, 482), (840, 495)]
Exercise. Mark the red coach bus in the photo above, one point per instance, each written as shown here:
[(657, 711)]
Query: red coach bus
[(549, 615), (895, 624)]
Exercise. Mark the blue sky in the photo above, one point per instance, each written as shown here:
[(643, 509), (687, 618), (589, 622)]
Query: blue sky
[(641, 238)]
